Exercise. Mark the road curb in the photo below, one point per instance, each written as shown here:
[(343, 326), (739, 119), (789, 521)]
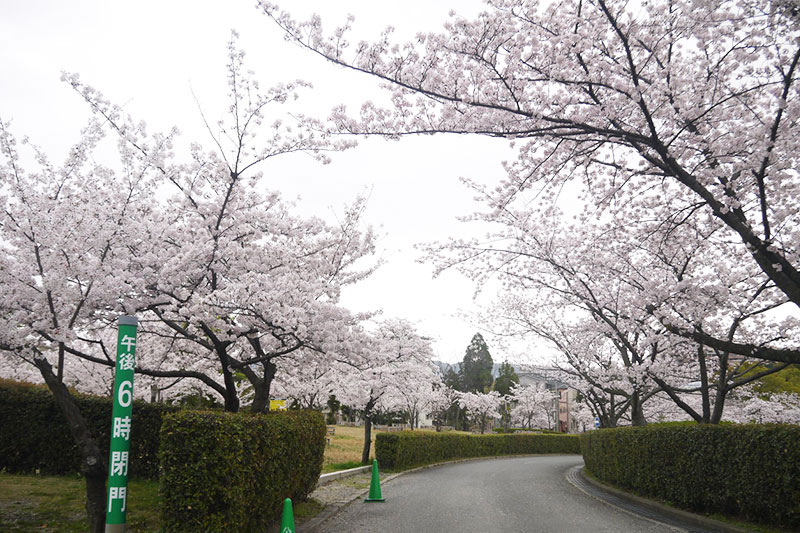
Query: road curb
[(327, 478), (653, 510), (331, 510)]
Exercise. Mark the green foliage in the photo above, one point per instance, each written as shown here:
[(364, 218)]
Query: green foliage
[(231, 471), (407, 449), (197, 400), (476, 368), (34, 435), (786, 380), (452, 379), (750, 471), (506, 376), (455, 415)]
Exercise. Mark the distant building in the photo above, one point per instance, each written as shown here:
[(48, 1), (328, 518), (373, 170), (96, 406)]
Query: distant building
[(566, 398), (528, 377), (563, 396)]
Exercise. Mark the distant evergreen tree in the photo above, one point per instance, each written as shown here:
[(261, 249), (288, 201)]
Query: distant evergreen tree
[(453, 380), (476, 368), (455, 416), (506, 376)]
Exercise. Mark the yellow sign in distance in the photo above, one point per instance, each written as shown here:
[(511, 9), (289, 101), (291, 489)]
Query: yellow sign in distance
[(277, 405)]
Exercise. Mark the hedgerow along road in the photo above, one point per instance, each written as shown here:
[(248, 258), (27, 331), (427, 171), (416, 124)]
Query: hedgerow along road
[(520, 494)]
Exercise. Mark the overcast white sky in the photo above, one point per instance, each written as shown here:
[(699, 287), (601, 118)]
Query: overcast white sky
[(150, 55)]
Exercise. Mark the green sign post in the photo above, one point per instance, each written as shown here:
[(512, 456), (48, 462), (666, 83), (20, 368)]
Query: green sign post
[(121, 426)]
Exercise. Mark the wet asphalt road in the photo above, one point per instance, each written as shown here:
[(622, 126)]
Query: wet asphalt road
[(521, 494)]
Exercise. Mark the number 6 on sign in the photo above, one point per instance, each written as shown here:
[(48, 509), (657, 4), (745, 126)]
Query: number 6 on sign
[(125, 394)]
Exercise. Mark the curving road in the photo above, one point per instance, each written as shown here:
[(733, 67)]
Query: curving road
[(521, 494)]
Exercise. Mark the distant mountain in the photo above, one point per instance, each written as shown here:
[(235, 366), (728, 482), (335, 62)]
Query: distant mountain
[(444, 367)]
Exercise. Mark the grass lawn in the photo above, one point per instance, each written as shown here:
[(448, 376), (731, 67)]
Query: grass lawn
[(56, 503), (345, 448)]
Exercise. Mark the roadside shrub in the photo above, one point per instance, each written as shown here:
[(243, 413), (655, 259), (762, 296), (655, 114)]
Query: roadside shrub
[(34, 435), (232, 471), (752, 471), (407, 449)]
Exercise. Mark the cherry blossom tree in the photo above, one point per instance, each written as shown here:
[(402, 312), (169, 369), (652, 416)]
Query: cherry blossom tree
[(534, 406), (442, 400), (618, 347), (219, 237), (223, 276), (416, 390), (744, 405), (391, 360), (309, 381), (777, 408), (65, 236), (581, 414), (563, 285), (481, 407), (694, 98)]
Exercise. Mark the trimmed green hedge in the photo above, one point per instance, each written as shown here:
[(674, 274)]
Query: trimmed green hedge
[(231, 472), (34, 434), (752, 471), (407, 449)]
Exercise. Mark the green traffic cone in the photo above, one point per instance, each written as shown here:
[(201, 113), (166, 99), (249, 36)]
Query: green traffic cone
[(375, 485), (287, 520)]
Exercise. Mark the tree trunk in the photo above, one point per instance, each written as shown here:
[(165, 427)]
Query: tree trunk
[(704, 392), (612, 413), (231, 396), (261, 386), (260, 398), (93, 465), (637, 411), (221, 349), (367, 438), (722, 390), (260, 395), (61, 350)]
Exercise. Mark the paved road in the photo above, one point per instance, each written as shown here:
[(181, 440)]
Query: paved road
[(523, 494)]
